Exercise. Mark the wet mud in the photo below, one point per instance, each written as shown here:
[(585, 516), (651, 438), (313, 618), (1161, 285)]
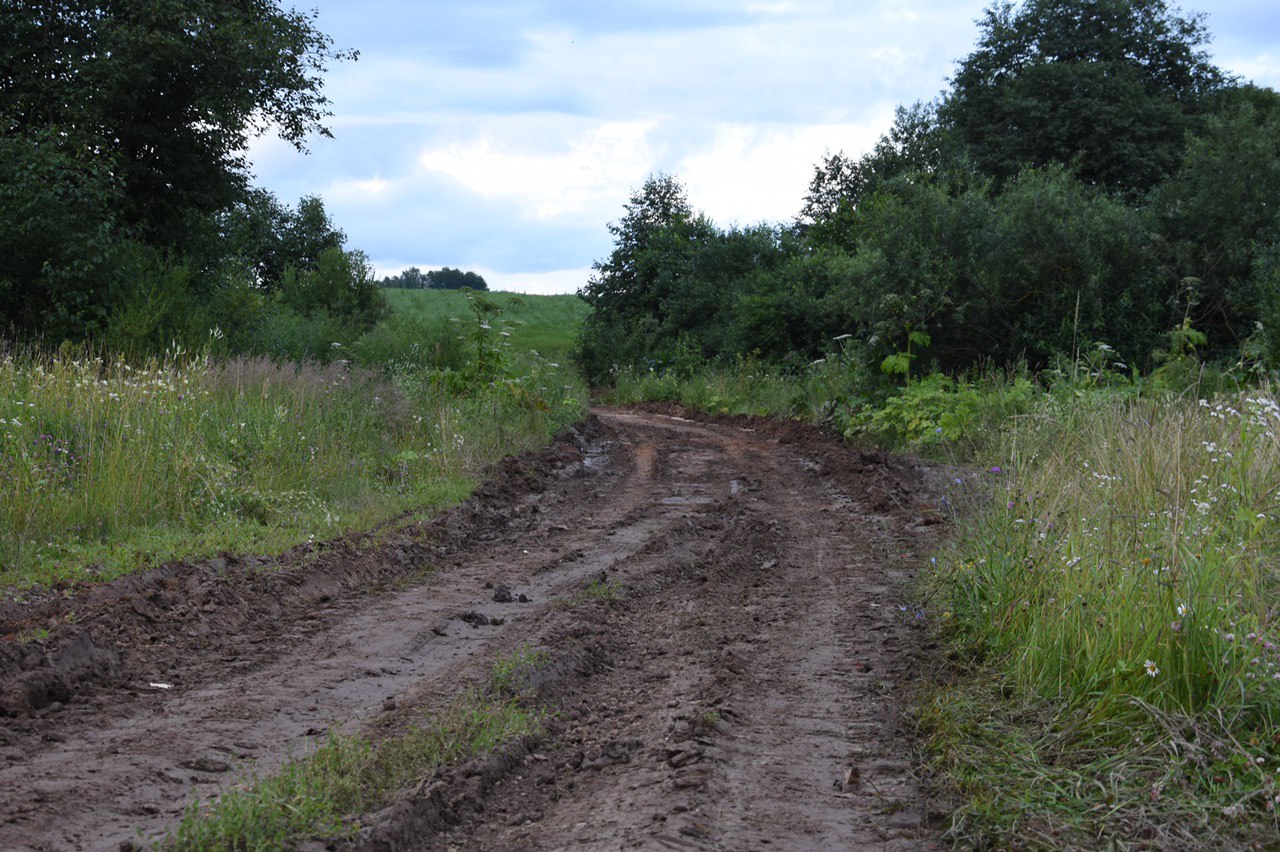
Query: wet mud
[(723, 608)]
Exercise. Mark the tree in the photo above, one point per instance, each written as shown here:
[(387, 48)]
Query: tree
[(447, 278), (340, 285), (1220, 219), (659, 204), (917, 146), (412, 278), (666, 294), (1109, 88), (269, 237), (455, 279), (140, 111)]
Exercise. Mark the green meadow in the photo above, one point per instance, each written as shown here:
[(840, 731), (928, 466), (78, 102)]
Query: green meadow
[(543, 324)]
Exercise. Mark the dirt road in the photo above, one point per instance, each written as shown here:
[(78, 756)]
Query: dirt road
[(722, 603)]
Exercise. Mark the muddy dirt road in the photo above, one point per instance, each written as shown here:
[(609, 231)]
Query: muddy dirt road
[(721, 604)]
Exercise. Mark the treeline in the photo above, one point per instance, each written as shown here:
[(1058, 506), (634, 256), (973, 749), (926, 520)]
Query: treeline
[(447, 278), (127, 218), (1089, 182)]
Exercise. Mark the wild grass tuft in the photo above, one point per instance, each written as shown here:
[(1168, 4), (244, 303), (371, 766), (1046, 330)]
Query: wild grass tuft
[(544, 324), (323, 795)]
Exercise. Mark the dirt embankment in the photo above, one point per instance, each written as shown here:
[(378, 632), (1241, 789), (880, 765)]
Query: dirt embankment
[(734, 679)]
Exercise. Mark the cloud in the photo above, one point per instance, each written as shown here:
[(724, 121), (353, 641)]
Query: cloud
[(575, 176), (504, 135), (1262, 69), (751, 174), (358, 191)]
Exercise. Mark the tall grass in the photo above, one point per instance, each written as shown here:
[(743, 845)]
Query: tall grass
[(1133, 554), (746, 387), (109, 466), (1125, 581)]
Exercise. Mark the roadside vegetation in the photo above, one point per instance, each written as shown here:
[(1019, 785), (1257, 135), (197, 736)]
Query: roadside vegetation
[(1111, 612), (112, 465), (1060, 274)]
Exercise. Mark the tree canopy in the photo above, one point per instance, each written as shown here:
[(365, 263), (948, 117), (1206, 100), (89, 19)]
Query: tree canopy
[(123, 127), (446, 278), (1107, 87)]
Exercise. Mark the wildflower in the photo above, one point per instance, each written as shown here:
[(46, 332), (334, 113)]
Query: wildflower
[(996, 469), (1152, 668), (1182, 610)]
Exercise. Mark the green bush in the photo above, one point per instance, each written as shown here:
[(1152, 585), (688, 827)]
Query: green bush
[(406, 342), (938, 409)]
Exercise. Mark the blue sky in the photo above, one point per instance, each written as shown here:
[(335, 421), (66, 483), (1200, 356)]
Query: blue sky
[(503, 137)]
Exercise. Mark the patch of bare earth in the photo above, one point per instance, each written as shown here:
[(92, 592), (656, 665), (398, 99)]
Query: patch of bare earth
[(721, 603)]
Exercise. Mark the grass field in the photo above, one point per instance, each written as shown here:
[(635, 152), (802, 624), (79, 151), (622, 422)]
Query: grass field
[(109, 467), (544, 324)]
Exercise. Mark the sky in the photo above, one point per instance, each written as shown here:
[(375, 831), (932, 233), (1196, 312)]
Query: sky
[(503, 136)]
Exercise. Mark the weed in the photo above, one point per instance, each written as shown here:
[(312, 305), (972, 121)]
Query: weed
[(322, 796), (608, 591), (513, 674), (1121, 582)]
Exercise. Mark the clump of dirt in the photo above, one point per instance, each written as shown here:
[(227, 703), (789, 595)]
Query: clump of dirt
[(51, 671)]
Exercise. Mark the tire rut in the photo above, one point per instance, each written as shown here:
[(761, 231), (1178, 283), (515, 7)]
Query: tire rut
[(745, 687)]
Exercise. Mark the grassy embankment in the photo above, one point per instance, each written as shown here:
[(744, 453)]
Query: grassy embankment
[(111, 467), (1109, 611)]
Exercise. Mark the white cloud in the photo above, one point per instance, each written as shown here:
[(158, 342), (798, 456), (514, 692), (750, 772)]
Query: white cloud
[(540, 283), (360, 191), (1262, 69), (577, 176), (750, 174)]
